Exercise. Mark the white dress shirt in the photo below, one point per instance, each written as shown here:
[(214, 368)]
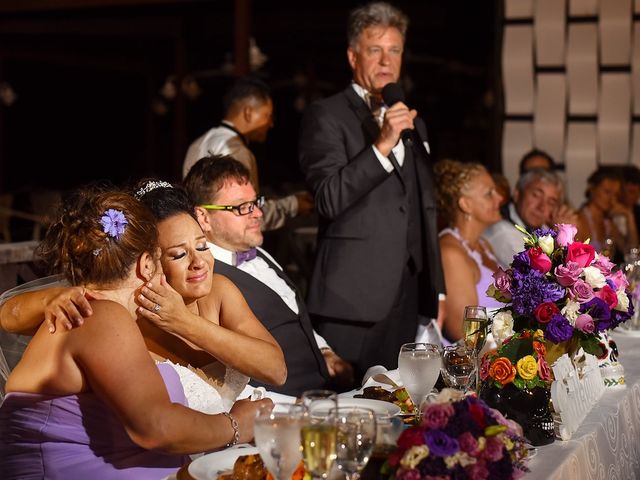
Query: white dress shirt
[(259, 269)]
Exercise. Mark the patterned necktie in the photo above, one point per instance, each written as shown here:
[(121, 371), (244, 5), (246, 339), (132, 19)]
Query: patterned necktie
[(242, 257), (375, 105)]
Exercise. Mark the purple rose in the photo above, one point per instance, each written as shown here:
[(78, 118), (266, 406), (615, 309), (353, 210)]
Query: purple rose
[(493, 451), (568, 274), (599, 311), (584, 323), (603, 264), (502, 281), (440, 444), (521, 262), (581, 291), (566, 232), (619, 279), (558, 329), (437, 415)]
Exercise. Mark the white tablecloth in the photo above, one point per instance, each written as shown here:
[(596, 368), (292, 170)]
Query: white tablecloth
[(607, 444)]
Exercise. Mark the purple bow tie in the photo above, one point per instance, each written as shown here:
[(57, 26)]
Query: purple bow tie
[(242, 257)]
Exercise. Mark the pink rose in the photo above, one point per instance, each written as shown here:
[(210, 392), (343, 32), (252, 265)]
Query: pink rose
[(513, 428), (568, 274), (585, 323), (539, 260), (468, 444), (608, 296), (484, 369), (581, 291), (603, 264), (544, 372), (502, 282), (436, 415), (477, 471), (619, 279), (581, 253), (566, 232), (493, 450)]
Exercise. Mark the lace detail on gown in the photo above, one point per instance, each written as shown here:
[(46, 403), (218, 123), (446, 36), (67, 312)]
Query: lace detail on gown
[(212, 389)]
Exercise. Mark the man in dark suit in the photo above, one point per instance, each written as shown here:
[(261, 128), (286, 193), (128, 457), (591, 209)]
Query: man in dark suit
[(228, 210), (378, 262)]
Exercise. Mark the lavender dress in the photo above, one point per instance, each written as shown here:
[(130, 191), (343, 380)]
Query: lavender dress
[(77, 436)]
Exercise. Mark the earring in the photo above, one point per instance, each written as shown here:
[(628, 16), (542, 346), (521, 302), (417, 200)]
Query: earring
[(467, 216)]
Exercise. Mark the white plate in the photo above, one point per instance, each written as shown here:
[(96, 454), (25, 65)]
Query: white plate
[(378, 406), (208, 466)]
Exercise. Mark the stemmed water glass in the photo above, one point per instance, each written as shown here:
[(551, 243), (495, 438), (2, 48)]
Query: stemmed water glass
[(475, 326), (419, 366), (458, 366), (277, 436), (318, 432), (355, 440)]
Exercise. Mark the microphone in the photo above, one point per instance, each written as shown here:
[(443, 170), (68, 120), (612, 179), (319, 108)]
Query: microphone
[(392, 93)]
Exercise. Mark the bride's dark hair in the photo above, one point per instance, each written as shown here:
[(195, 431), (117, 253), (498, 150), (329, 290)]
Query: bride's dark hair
[(77, 245)]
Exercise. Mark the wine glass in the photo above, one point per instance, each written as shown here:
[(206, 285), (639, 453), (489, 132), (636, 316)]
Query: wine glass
[(356, 437), (475, 325), (318, 432), (419, 366), (458, 366), (277, 436)]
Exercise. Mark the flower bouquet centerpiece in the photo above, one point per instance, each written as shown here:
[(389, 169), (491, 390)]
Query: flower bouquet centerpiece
[(562, 287), (515, 380), (459, 437)]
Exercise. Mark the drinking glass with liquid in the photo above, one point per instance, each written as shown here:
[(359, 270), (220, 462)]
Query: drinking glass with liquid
[(475, 326), (419, 366), (319, 432)]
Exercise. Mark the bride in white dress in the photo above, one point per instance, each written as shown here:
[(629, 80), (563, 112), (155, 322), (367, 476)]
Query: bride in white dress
[(193, 318)]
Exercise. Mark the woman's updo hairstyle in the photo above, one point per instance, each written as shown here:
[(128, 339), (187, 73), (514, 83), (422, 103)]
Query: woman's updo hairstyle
[(164, 199), (452, 179), (98, 236)]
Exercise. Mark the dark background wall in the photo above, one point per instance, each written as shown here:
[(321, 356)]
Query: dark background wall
[(88, 75)]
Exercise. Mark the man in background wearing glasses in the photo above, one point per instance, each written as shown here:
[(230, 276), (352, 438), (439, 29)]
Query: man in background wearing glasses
[(229, 211)]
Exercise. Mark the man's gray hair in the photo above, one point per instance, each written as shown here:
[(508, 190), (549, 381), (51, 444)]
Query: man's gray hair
[(543, 175), (375, 14)]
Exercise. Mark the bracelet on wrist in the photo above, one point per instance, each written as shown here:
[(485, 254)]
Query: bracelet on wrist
[(236, 430)]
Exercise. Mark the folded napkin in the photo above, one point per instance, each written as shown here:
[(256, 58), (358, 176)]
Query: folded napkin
[(257, 393)]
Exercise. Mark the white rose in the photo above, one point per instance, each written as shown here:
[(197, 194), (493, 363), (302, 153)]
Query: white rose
[(594, 277), (502, 326), (623, 301), (546, 244), (571, 311)]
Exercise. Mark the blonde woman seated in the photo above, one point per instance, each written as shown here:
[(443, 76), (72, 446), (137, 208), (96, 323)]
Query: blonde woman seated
[(90, 402), (469, 202), (193, 319)]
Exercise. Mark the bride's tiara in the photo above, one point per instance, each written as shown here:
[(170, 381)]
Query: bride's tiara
[(149, 186)]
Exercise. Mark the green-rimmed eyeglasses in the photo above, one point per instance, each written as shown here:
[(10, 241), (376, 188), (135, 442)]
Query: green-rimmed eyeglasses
[(243, 209)]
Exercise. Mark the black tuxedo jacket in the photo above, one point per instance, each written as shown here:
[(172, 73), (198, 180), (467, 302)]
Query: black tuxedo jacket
[(362, 240)]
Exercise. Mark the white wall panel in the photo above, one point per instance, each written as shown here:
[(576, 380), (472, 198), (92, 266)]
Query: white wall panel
[(518, 9), (582, 69), (549, 25), (550, 114), (615, 32), (517, 69), (580, 159), (614, 118)]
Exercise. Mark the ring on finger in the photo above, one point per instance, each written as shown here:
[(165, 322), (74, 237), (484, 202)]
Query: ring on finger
[(156, 307)]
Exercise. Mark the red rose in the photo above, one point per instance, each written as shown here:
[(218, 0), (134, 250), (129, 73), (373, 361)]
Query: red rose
[(411, 437), (539, 260), (545, 311), (608, 296), (539, 348), (581, 253), (477, 413)]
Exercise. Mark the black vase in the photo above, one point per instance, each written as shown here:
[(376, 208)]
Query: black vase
[(530, 408)]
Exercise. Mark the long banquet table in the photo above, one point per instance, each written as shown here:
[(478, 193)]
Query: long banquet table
[(607, 444)]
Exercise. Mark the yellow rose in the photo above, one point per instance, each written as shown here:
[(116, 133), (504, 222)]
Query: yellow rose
[(527, 367), (538, 334), (414, 456)]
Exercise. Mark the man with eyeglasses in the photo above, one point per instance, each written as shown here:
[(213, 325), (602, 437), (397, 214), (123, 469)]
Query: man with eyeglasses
[(229, 211), (248, 117)]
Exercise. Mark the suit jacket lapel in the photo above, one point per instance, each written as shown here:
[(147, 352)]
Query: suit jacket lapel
[(370, 126)]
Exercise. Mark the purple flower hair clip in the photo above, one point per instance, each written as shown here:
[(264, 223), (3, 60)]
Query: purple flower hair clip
[(113, 223)]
